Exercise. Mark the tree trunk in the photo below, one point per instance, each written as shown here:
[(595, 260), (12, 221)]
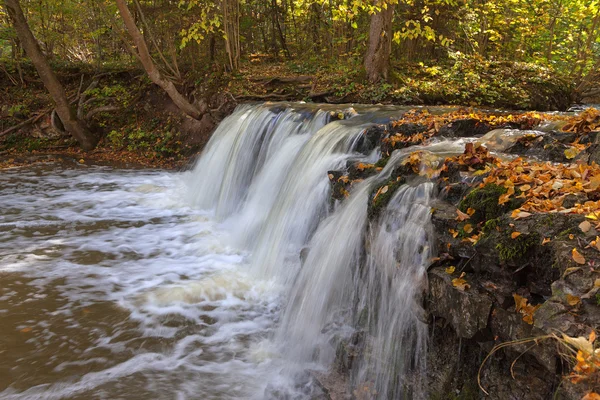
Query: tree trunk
[(377, 60), (75, 127), (153, 73)]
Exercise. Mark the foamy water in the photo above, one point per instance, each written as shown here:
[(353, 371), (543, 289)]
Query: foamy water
[(112, 286)]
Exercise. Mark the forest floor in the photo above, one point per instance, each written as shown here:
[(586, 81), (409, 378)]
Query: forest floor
[(147, 130)]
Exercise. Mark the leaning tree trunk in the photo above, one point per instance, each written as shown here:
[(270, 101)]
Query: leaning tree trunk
[(153, 72), (377, 60), (67, 115)]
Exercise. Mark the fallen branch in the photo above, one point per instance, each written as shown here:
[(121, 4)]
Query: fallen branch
[(31, 120), (270, 96), (278, 80), (95, 111)]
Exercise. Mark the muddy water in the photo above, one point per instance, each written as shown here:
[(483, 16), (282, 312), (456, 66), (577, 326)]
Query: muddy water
[(112, 287)]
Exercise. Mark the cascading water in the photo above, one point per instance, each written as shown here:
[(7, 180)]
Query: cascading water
[(191, 285), (389, 290), (279, 188)]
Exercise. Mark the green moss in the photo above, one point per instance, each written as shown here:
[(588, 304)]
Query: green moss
[(564, 234), (382, 162), (510, 249), (485, 203), (598, 299), (382, 199), (490, 225)]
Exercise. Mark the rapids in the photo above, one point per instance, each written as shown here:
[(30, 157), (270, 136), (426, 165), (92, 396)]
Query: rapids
[(150, 284)]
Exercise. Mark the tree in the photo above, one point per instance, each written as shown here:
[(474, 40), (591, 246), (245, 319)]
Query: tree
[(379, 48), (143, 54), (67, 114)]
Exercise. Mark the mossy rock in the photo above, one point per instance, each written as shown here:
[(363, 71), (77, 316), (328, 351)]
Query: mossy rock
[(516, 249), (484, 201), (378, 202)]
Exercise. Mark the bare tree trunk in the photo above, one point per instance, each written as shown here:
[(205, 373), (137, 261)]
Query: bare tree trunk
[(75, 127), (377, 60), (151, 69)]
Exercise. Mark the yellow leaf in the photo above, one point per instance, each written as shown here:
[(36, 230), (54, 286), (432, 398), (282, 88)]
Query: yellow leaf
[(470, 211), (450, 270), (571, 236), (81, 161), (585, 226), (577, 257), (571, 152), (593, 216), (453, 232), (592, 336), (468, 228), (597, 283), (573, 300), (515, 235), (460, 283), (546, 240)]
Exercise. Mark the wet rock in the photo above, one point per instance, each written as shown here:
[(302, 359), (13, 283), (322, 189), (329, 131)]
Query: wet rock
[(370, 139), (467, 311), (464, 128), (407, 129), (553, 316), (509, 326), (550, 146)]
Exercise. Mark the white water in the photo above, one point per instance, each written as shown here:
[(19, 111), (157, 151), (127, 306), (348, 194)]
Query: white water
[(131, 284)]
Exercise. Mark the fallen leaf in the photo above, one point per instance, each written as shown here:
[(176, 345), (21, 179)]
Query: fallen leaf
[(515, 235), (461, 216), (585, 226), (453, 232), (450, 270), (468, 228), (571, 152), (592, 336), (591, 396), (593, 216), (577, 257), (571, 236), (460, 283), (580, 343), (470, 211), (546, 240), (81, 161), (384, 190), (25, 330), (573, 300)]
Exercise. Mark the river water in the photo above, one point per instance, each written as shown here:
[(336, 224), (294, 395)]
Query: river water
[(137, 284)]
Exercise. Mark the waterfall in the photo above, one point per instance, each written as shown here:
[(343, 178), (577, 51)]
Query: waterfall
[(389, 290), (264, 175)]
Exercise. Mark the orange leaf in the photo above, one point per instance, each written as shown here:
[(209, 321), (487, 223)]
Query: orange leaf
[(461, 216), (577, 257), (546, 240), (25, 330), (468, 228), (514, 235), (573, 300), (591, 396)]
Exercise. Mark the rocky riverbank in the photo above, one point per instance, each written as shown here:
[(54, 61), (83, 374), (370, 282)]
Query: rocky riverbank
[(513, 300)]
